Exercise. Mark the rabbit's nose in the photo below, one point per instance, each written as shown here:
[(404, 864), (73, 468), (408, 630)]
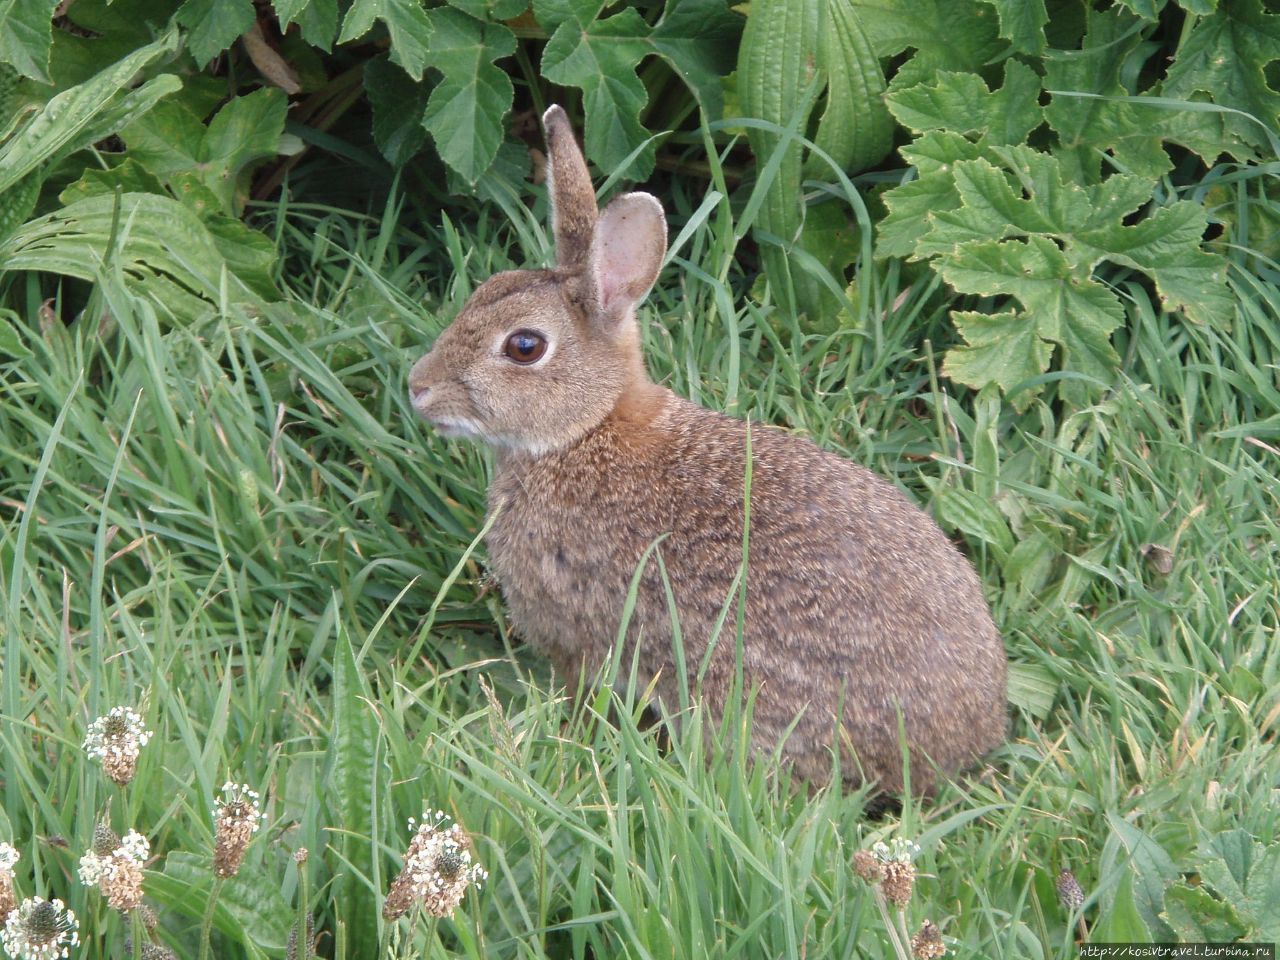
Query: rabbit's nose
[(418, 396)]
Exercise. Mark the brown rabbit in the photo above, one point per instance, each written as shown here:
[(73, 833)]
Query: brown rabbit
[(859, 612)]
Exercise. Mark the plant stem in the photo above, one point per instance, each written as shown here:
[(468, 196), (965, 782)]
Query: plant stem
[(304, 901), (890, 927), (206, 925), (136, 928)]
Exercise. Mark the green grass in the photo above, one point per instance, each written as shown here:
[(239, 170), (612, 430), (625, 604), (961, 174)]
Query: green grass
[(239, 527)]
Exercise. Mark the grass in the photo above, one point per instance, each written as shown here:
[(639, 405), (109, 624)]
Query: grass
[(238, 527)]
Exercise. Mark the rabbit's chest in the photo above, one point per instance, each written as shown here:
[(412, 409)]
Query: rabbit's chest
[(564, 561)]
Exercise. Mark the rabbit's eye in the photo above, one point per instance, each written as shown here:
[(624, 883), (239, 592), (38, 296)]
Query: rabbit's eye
[(525, 346)]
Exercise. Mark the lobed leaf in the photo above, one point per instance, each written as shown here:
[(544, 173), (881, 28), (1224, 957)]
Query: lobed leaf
[(214, 25), (600, 57), (406, 22), (398, 104), (1226, 55), (465, 111), (1022, 23)]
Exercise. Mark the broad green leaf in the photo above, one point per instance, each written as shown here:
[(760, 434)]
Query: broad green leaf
[(700, 38), (1004, 348), (406, 22), (18, 202), (465, 111), (319, 23), (1153, 869), (600, 57), (250, 908), (355, 781), (1226, 55), (962, 103), (1264, 894), (1032, 687), (87, 113), (213, 25), (26, 35), (856, 130), (1121, 921), (209, 167), (250, 255), (976, 517), (1196, 917), (160, 247), (1022, 23), (128, 176), (777, 71), (398, 106)]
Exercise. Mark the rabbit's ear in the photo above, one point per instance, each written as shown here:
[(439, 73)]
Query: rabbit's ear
[(573, 200), (631, 238)]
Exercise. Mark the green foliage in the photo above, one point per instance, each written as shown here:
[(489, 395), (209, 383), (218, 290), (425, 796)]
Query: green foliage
[(1238, 897)]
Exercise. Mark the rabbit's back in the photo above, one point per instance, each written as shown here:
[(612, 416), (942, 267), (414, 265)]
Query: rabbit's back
[(857, 605)]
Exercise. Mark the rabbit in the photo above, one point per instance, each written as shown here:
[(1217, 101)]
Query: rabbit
[(860, 616)]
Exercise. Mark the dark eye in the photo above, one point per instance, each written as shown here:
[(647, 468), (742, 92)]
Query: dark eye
[(525, 346)]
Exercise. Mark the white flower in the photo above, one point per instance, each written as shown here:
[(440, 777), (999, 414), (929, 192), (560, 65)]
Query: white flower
[(9, 857), (40, 930), (115, 741), (236, 818), (437, 870)]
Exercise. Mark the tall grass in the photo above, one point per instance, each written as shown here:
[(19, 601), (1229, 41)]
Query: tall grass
[(239, 527)]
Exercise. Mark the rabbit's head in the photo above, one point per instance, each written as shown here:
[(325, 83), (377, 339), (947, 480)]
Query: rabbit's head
[(537, 358)]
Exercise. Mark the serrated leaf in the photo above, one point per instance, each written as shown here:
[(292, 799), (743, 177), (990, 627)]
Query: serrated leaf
[(1076, 313), (1225, 55), (1264, 894), (406, 22), (1196, 917), (26, 36), (87, 112), (1166, 245), (465, 110), (250, 909), (700, 38), (213, 25), (1003, 348), (318, 22), (962, 103), (1022, 23), (1089, 116), (910, 204), (600, 58), (945, 34), (398, 107)]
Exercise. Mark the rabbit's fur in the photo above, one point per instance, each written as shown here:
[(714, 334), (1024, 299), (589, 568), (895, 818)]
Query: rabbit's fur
[(860, 615)]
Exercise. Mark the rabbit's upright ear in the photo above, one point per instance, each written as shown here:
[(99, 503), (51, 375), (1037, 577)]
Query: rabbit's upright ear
[(573, 200), (631, 238)]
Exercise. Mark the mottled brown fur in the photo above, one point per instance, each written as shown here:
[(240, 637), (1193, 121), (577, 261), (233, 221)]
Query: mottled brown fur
[(859, 611)]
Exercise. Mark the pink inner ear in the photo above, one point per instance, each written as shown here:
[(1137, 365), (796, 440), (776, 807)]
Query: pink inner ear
[(631, 236)]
